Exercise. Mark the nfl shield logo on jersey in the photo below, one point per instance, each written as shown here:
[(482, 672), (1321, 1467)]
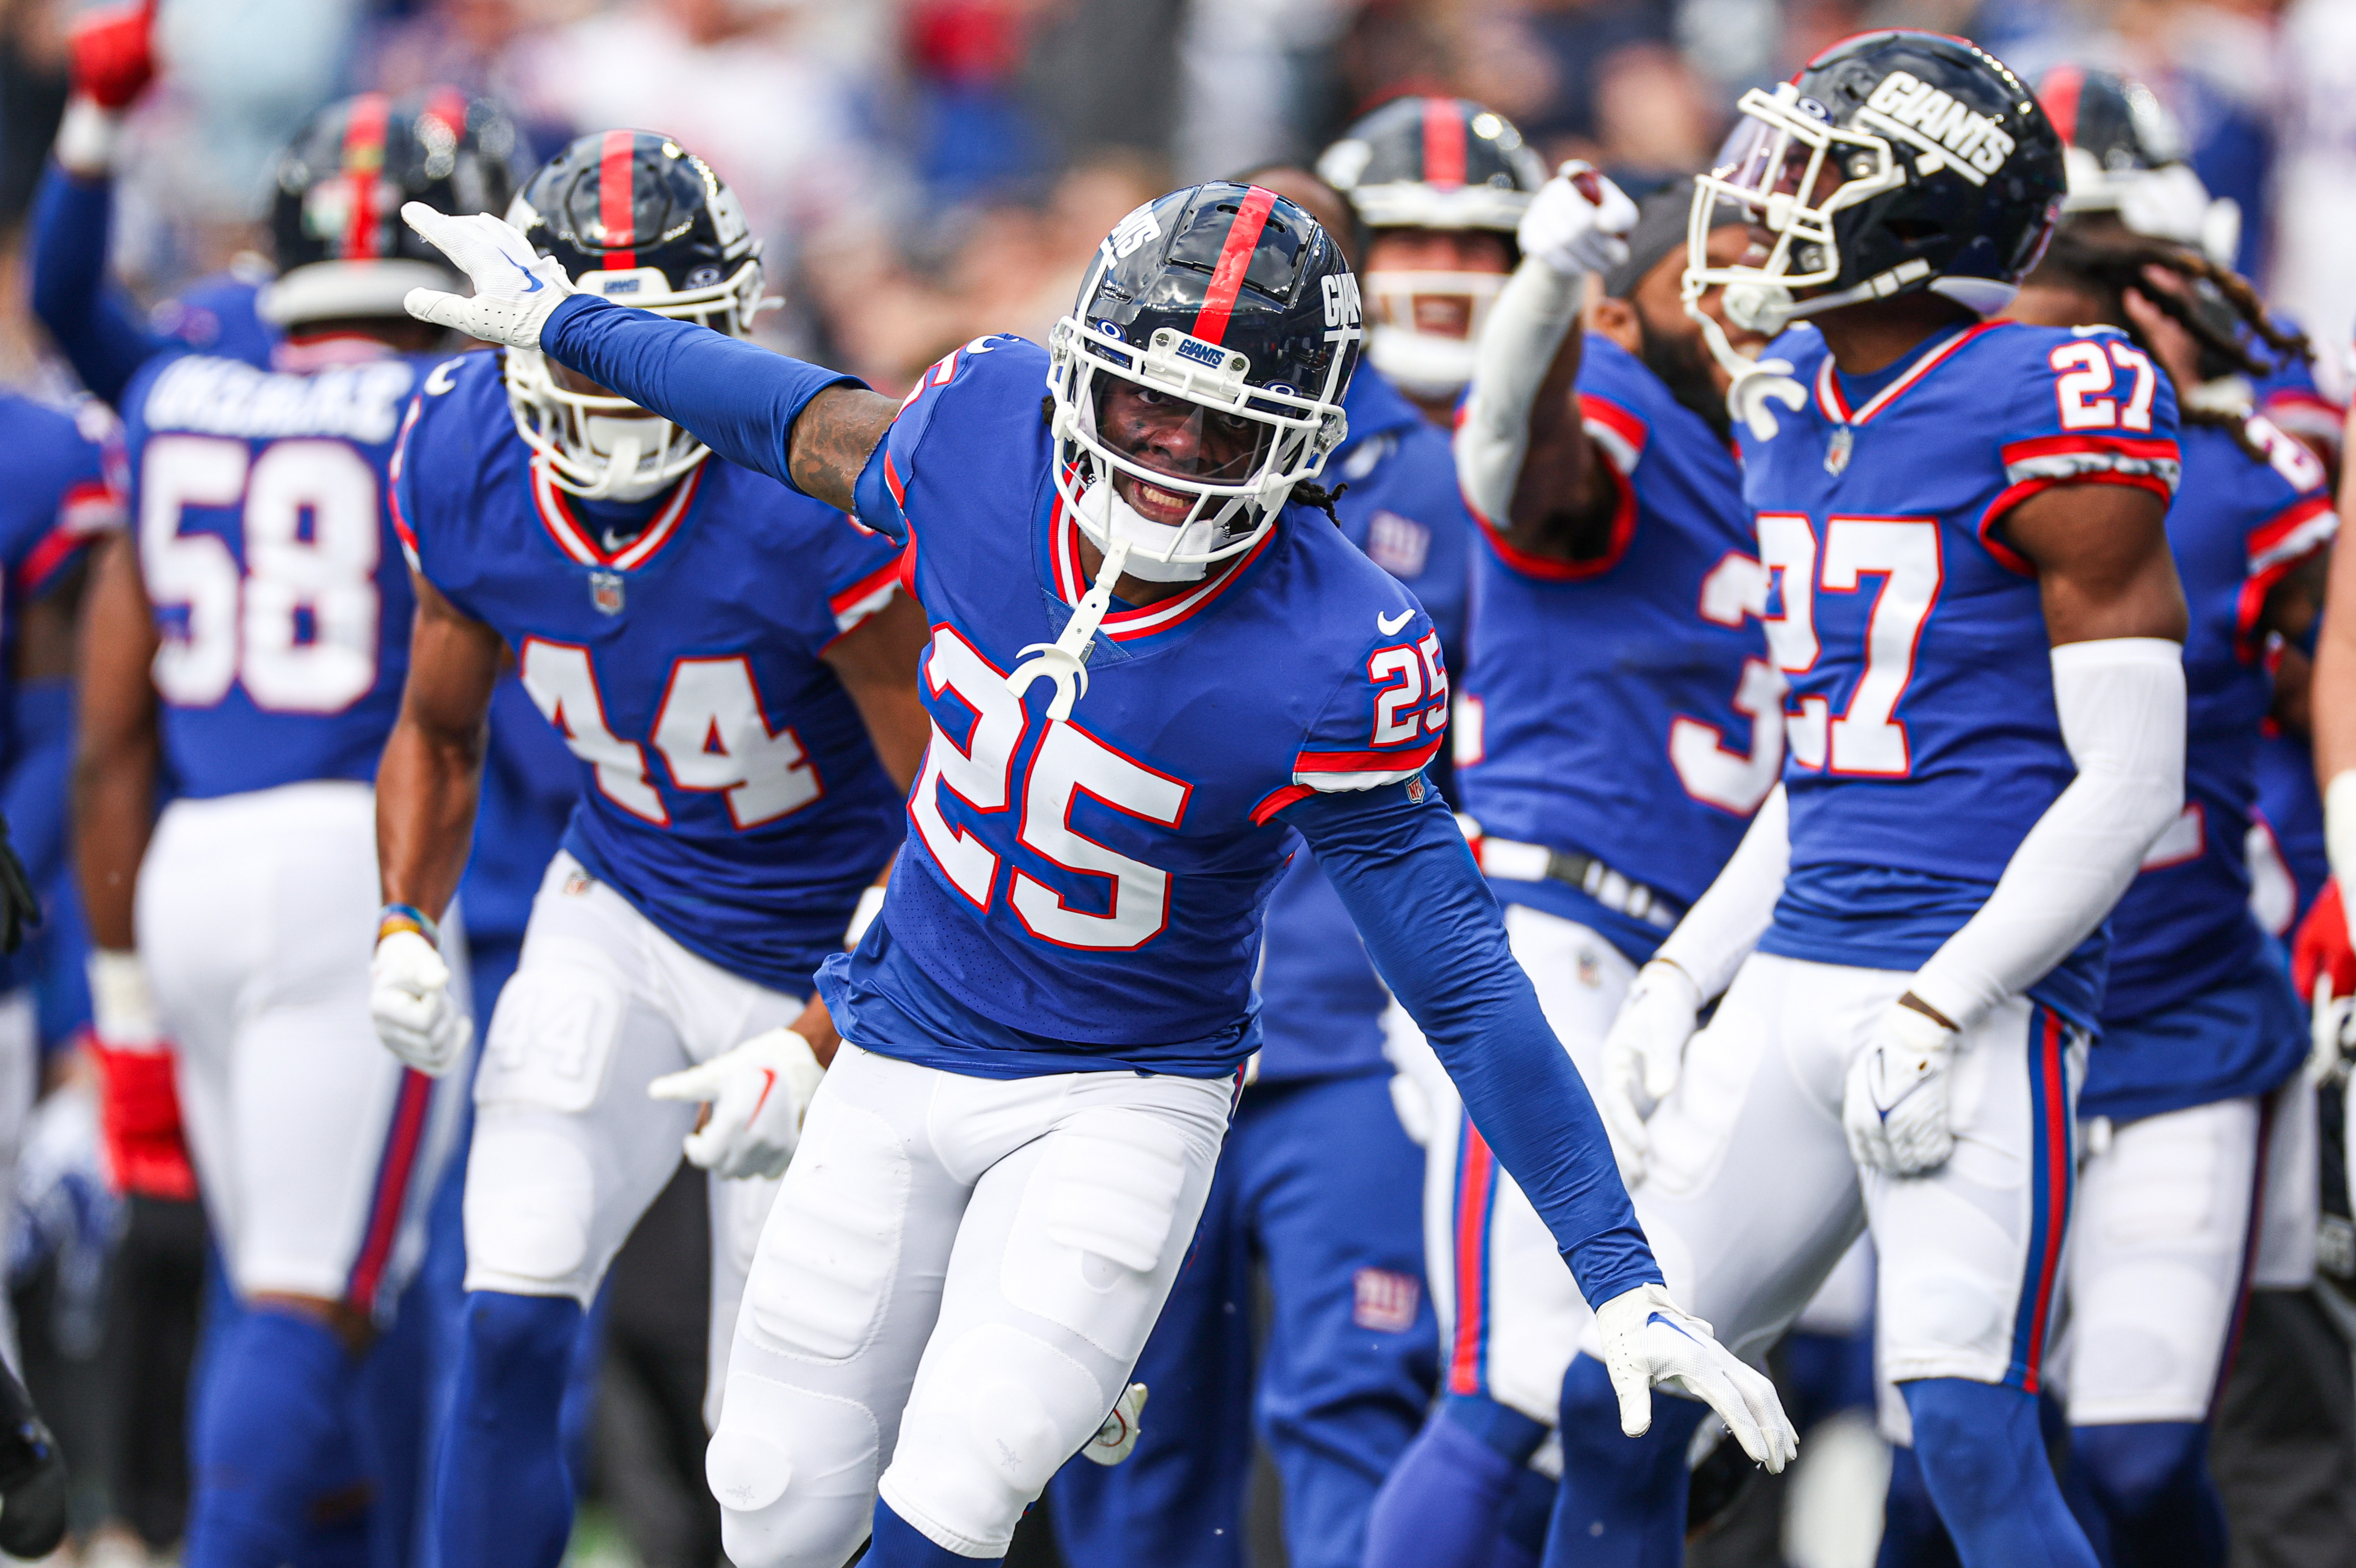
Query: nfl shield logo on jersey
[(605, 592)]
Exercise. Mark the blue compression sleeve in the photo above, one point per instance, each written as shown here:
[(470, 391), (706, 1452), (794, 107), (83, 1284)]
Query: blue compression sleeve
[(739, 400), (87, 317), (1435, 933)]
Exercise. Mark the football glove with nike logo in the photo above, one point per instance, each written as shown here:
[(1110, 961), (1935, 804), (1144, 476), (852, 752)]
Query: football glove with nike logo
[(1649, 1341), (759, 1093), (1895, 1106), (516, 288)]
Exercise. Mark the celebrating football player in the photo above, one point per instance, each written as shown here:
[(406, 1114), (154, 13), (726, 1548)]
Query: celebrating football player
[(717, 650), (1146, 663), (1970, 590), (251, 647)]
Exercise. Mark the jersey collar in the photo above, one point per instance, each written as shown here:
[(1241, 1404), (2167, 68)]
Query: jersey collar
[(1833, 405), (1127, 625), (579, 544)]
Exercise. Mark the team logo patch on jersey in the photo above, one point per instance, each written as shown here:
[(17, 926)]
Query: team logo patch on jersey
[(1385, 1300), (1415, 790), (1398, 545), (605, 592)]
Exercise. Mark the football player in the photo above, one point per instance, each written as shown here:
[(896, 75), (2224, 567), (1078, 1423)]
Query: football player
[(717, 651), (1971, 592), (1145, 664), (2200, 1027), (1318, 1180), (251, 644), (1440, 185), (1621, 722)]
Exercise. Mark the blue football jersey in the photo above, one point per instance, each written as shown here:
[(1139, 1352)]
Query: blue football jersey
[(728, 787), (1087, 894), (1320, 1001), (2290, 828), (2197, 1010), (1922, 740), (59, 488), (268, 553), (1625, 708)]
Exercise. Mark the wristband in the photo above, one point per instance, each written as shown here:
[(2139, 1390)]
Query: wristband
[(123, 1008), (407, 917)]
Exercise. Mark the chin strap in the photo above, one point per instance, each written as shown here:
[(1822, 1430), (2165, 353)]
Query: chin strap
[(1065, 660), (1757, 382)]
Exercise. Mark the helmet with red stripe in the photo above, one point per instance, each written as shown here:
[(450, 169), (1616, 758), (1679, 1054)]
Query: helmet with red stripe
[(1229, 298), (342, 251), (1441, 164), (2125, 154), (636, 219)]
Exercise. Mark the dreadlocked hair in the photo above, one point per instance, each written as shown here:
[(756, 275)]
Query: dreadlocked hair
[(1309, 493), (2113, 267)]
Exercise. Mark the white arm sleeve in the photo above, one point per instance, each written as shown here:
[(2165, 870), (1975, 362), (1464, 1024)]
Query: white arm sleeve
[(2121, 702), (2339, 826), (1726, 923), (1534, 312)]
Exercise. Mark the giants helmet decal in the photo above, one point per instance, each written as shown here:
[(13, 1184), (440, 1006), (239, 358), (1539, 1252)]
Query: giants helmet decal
[(1227, 296), (1432, 162), (1894, 161), (337, 192), (634, 218)]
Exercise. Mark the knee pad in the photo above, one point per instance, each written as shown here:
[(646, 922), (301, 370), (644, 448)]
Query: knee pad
[(831, 1249), (552, 1038), (794, 1472), (994, 1415), (531, 1195)]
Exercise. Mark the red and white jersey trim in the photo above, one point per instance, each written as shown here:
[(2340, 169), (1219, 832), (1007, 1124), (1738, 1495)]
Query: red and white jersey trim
[(2306, 527), (1124, 626), (576, 542), (864, 597), (2052, 458), (1833, 405)]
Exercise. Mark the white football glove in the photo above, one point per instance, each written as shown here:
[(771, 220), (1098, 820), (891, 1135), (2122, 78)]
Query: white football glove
[(516, 288), (1895, 1105), (759, 1093), (1642, 1055), (409, 998), (1578, 222), (1117, 1438), (1649, 1340)]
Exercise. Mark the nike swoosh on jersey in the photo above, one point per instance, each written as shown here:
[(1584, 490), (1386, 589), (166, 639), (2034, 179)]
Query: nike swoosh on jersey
[(1389, 624)]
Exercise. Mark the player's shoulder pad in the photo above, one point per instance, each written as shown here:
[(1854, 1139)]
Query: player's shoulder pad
[(1618, 401), (988, 390), (2290, 460), (1371, 669)]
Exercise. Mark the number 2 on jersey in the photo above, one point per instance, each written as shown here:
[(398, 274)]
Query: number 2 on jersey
[(1867, 739), (1068, 764)]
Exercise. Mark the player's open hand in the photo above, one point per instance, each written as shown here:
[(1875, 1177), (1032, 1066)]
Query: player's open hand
[(1649, 1340), (759, 1093), (409, 999), (1895, 1106), (516, 288), (1579, 221), (1642, 1055)]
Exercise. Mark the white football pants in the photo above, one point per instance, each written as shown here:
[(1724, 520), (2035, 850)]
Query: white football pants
[(1510, 1313), (20, 1072), (950, 1291), (1749, 1198), (568, 1150), (316, 1151)]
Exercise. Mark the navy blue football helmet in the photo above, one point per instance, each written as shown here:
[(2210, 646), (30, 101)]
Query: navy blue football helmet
[(1893, 161), (1227, 296)]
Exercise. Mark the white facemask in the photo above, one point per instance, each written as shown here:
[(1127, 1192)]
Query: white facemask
[(632, 449), (1148, 540)]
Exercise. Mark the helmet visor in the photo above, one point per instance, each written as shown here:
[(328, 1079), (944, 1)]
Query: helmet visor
[(1792, 171)]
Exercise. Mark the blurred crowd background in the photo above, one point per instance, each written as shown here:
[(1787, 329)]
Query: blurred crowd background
[(928, 170), (925, 171)]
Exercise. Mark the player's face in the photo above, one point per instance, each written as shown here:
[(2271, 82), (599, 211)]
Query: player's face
[(573, 381), (1437, 314), (1672, 338), (1173, 435)]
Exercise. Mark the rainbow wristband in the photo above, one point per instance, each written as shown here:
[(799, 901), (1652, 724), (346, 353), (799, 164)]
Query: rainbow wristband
[(406, 917)]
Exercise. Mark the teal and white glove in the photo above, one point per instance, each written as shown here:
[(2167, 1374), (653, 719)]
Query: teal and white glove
[(516, 288), (1895, 1105), (759, 1093), (1650, 1341)]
